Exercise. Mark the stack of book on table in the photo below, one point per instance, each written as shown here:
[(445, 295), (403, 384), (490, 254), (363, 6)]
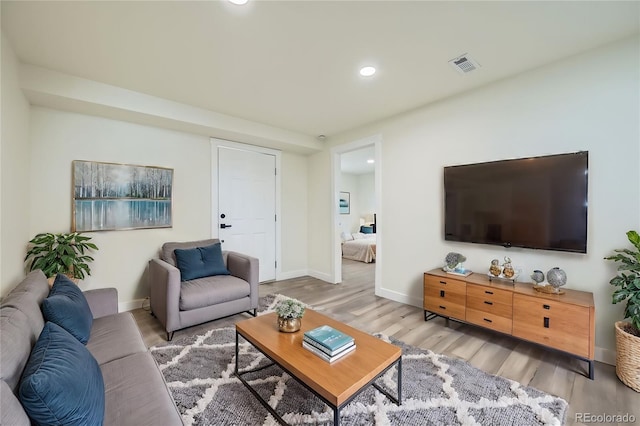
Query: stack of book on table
[(328, 343)]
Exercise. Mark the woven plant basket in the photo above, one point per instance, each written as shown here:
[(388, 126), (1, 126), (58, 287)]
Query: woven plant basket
[(627, 357)]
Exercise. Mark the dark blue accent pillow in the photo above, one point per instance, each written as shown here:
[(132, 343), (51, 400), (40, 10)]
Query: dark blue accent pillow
[(366, 229), (67, 307), (200, 262), (62, 383)]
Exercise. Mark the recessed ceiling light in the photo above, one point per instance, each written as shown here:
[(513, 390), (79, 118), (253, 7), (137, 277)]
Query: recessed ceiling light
[(239, 2), (371, 161), (367, 71)]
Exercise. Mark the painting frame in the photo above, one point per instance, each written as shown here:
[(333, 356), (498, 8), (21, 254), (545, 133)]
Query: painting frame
[(117, 197), (344, 202)]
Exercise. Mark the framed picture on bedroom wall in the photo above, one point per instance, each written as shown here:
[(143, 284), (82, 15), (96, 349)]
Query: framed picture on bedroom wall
[(345, 202)]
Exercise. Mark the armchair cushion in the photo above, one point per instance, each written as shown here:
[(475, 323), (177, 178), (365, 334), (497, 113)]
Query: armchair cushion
[(211, 291), (67, 307), (200, 262)]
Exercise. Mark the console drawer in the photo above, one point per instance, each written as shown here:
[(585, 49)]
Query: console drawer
[(556, 324), (445, 296), (491, 300), (489, 320)]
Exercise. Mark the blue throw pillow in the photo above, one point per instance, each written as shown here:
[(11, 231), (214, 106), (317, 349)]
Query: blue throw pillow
[(62, 382), (67, 307), (200, 262)]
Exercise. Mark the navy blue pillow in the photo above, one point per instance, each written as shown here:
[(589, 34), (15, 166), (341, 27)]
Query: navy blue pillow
[(62, 383), (200, 262), (67, 307)]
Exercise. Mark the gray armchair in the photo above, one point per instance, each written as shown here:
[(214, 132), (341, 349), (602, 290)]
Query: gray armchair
[(180, 304)]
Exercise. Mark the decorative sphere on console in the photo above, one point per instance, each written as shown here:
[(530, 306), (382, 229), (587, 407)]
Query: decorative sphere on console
[(556, 277), (537, 276)]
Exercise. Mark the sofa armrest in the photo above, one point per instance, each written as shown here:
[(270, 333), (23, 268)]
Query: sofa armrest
[(102, 301), (164, 292), (247, 268)]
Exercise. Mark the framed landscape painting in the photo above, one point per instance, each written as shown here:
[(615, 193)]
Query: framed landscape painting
[(345, 202), (110, 197)]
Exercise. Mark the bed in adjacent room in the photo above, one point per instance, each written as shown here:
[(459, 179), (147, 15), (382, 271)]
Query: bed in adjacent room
[(359, 246)]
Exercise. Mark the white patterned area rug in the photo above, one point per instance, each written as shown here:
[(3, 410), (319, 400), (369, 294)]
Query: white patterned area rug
[(436, 389)]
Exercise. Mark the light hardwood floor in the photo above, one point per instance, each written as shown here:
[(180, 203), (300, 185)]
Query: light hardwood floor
[(354, 302)]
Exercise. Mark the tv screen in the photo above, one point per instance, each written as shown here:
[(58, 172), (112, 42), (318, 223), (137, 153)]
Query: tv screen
[(538, 202)]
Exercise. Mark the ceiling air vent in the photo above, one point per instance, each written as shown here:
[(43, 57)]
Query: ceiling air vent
[(464, 64)]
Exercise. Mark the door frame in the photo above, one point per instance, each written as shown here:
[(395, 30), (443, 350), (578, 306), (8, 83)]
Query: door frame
[(215, 216), (336, 152)]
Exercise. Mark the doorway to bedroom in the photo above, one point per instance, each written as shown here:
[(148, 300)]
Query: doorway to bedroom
[(357, 217)]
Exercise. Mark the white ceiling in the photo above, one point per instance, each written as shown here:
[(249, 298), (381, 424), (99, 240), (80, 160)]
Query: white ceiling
[(356, 162), (293, 64)]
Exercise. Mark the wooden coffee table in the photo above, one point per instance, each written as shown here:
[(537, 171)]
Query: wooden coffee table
[(337, 383)]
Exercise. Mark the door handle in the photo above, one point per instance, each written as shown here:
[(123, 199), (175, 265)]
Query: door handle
[(223, 225)]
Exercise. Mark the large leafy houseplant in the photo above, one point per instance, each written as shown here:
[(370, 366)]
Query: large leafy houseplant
[(61, 254), (628, 281)]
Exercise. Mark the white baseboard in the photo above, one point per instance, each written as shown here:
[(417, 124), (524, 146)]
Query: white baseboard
[(321, 276), (399, 297), (606, 356), (292, 274), (130, 306)]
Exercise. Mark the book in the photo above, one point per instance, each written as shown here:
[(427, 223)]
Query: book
[(328, 337), (327, 350), (323, 355)]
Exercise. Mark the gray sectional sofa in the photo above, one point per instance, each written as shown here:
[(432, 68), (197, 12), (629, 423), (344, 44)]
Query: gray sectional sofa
[(135, 392)]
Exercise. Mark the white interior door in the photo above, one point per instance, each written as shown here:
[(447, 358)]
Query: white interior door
[(247, 205)]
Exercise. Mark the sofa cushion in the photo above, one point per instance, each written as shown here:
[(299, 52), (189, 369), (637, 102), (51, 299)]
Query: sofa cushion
[(200, 262), (211, 291), (16, 341), (67, 307), (11, 411), (136, 393), (28, 304), (62, 383), (35, 283), (114, 337)]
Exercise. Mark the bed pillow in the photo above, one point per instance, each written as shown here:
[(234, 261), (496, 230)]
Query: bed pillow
[(67, 307), (200, 262), (62, 383), (358, 235), (346, 236)]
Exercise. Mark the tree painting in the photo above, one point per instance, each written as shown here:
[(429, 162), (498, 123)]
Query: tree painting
[(120, 196)]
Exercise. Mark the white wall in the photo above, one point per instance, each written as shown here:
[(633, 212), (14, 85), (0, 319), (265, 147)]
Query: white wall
[(350, 223), (14, 176), (587, 102), (58, 138), (361, 189), (366, 196), (294, 213)]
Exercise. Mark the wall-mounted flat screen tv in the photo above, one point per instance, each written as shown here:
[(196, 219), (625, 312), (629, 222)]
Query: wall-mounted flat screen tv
[(537, 202)]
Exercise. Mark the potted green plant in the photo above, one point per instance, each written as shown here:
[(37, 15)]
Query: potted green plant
[(289, 313), (627, 282), (61, 254)]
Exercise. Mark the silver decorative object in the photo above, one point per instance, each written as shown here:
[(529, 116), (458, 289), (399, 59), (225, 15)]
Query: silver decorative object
[(453, 260), (556, 277), (537, 276)]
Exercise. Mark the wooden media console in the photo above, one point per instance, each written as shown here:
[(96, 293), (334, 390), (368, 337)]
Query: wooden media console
[(562, 322)]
